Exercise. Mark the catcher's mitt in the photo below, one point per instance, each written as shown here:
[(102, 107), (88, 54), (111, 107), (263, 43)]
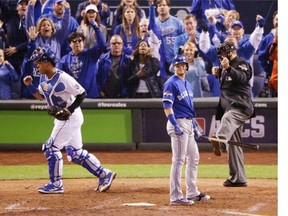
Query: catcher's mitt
[(61, 114)]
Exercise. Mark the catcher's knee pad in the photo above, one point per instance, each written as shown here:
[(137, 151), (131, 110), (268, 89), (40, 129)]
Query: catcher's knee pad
[(48, 144), (55, 163), (82, 157)]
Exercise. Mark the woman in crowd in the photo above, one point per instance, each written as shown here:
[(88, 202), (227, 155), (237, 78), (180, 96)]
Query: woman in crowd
[(91, 14), (142, 81), (129, 29)]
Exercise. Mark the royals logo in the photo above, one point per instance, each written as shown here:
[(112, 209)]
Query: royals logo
[(45, 87)]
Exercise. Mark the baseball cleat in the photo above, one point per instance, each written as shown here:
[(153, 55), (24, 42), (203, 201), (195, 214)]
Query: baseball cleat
[(228, 183), (105, 183), (200, 197), (182, 201), (50, 189), (216, 145)]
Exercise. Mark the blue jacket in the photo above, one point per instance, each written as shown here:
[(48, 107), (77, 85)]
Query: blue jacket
[(83, 67), (104, 65), (7, 76)]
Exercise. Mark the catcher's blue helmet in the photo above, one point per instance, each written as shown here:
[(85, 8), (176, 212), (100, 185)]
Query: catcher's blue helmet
[(43, 54), (179, 59)]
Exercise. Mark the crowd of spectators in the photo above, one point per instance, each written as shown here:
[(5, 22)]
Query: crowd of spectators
[(134, 59)]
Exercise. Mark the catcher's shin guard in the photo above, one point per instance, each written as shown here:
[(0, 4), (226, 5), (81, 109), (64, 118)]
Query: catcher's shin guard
[(55, 164), (87, 160)]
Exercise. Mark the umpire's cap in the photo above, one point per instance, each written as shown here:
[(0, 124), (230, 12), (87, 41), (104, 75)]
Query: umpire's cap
[(180, 59), (44, 55)]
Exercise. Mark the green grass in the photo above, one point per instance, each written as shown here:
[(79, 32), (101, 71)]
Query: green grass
[(132, 171)]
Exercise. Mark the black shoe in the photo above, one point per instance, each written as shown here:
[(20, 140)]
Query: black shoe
[(228, 183)]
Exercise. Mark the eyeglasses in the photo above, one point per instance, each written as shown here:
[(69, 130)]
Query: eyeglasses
[(116, 43), (77, 41)]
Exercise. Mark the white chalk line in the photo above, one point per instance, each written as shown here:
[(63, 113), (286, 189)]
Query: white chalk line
[(240, 213), (16, 207), (13, 206), (253, 208)]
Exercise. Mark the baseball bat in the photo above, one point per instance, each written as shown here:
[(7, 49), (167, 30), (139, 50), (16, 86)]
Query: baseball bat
[(244, 145)]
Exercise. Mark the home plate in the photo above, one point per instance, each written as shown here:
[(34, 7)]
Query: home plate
[(138, 204)]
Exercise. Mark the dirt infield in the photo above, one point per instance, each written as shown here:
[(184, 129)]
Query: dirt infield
[(21, 197)]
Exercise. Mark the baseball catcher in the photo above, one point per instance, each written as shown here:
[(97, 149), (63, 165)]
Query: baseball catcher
[(64, 96)]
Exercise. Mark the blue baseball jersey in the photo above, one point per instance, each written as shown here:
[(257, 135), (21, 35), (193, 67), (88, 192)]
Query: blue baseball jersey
[(178, 95), (170, 29), (61, 90)]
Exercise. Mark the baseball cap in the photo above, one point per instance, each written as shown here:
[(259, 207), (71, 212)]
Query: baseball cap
[(20, 1), (237, 23), (91, 7)]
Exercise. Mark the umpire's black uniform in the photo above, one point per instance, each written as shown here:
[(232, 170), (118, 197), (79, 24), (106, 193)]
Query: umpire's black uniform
[(234, 108)]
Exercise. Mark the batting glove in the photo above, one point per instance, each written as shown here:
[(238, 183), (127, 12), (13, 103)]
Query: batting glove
[(197, 133), (178, 130)]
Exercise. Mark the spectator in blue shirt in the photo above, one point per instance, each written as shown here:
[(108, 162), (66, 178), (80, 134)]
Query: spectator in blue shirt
[(57, 16), (81, 63), (112, 69), (45, 34), (7, 76)]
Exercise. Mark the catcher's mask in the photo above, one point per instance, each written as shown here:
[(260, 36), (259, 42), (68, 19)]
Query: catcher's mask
[(179, 59), (225, 49), (43, 54)]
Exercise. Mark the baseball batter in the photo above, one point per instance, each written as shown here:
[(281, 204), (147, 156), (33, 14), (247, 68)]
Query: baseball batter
[(179, 109), (64, 96)]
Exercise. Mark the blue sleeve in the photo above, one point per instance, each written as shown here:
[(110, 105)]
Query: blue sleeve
[(29, 17), (13, 74), (73, 25), (229, 5), (196, 8), (152, 22), (263, 54), (100, 45), (168, 98), (245, 50), (61, 34), (117, 30)]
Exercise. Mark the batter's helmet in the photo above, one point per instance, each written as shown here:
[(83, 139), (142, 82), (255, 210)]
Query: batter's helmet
[(44, 55), (179, 59)]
